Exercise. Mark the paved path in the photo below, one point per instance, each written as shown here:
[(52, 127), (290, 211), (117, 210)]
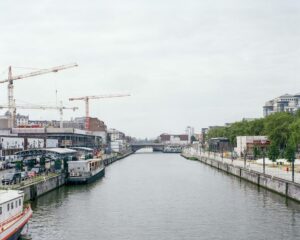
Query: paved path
[(273, 171)]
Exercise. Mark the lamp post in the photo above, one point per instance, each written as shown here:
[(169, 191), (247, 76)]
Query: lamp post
[(245, 157), (264, 162), (231, 148), (293, 170), (222, 152), (264, 142)]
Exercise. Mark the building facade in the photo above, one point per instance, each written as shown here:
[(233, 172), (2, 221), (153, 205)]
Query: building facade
[(246, 145), (190, 132), (285, 103), (173, 139)]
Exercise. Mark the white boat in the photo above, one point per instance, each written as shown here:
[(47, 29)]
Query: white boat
[(85, 171), (13, 215)]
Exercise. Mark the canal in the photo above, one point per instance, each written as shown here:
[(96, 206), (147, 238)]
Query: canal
[(159, 196)]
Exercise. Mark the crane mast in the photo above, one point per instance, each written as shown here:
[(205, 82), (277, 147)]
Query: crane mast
[(86, 99), (10, 80)]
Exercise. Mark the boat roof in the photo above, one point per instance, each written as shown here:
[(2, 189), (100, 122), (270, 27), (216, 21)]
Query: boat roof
[(48, 150), (87, 161), (60, 150), (83, 148), (8, 195)]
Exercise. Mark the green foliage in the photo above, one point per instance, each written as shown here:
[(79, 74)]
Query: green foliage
[(279, 127), (19, 166), (31, 163), (256, 152), (290, 151), (43, 162), (273, 152), (57, 164)]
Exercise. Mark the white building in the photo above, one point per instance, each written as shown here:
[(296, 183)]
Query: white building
[(10, 145), (190, 132), (22, 120), (172, 139), (247, 143), (33, 143), (118, 146), (115, 134), (285, 103)]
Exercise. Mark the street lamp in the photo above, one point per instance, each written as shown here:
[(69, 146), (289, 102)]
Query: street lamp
[(245, 157), (263, 142), (222, 147), (231, 148), (293, 170)]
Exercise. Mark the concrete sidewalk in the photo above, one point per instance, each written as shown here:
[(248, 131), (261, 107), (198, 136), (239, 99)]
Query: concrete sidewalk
[(269, 170)]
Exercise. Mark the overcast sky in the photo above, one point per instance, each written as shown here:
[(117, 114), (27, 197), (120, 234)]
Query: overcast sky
[(192, 62)]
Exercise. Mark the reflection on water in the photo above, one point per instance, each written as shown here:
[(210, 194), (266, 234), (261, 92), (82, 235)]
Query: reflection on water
[(163, 196)]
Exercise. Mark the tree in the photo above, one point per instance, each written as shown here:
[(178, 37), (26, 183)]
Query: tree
[(295, 130), (19, 166), (57, 164), (43, 162), (256, 152), (193, 139), (290, 151), (273, 152), (277, 128)]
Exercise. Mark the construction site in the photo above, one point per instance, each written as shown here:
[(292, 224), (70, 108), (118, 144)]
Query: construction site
[(19, 133)]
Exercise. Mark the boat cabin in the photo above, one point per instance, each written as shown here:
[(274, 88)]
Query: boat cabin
[(11, 204), (84, 168)]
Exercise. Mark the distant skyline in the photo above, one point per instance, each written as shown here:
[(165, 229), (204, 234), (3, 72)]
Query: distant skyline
[(185, 63)]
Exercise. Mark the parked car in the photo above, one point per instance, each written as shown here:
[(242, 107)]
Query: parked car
[(11, 165), (37, 170), (11, 178), (31, 174), (24, 176)]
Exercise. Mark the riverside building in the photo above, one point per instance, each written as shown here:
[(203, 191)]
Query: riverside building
[(285, 103)]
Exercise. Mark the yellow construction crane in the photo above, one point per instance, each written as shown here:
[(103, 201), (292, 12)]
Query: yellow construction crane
[(60, 108), (87, 99), (11, 79)]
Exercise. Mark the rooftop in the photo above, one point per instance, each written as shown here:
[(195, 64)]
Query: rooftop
[(82, 148), (60, 150), (8, 195)]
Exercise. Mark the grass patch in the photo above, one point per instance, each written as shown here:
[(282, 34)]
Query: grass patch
[(193, 158)]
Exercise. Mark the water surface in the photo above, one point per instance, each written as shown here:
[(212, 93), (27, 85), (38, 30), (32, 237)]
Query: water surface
[(159, 196)]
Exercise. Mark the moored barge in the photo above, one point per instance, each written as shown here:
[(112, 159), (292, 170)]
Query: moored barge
[(85, 171)]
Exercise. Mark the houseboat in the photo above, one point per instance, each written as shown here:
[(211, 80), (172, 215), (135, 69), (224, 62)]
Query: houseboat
[(13, 216), (85, 171)]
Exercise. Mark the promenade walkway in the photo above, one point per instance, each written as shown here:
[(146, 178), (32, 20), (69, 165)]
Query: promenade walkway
[(272, 170)]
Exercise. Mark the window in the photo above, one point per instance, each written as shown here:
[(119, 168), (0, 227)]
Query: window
[(8, 206), (0, 210), (19, 202), (12, 205)]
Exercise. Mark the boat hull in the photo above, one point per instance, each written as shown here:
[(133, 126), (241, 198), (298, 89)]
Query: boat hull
[(13, 231), (86, 180)]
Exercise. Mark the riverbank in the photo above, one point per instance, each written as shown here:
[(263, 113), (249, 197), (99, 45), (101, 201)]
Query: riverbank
[(109, 160), (162, 196), (42, 185), (279, 185)]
